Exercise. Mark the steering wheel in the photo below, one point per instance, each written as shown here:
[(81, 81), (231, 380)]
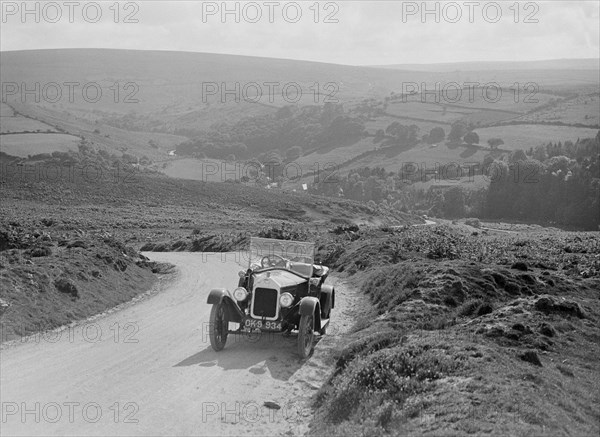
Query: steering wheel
[(273, 261)]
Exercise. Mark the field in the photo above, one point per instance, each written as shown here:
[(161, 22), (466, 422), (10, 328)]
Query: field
[(428, 156), (207, 170), (32, 144), (526, 136), (337, 157), (474, 182), (584, 109), (425, 155), (109, 138), (6, 111), (515, 106), (22, 124)]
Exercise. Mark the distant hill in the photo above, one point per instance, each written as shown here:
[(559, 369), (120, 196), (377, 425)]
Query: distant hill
[(171, 82), (168, 78), (551, 64)]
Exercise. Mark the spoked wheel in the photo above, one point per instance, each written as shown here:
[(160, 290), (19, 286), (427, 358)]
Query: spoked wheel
[(305, 336), (218, 326)]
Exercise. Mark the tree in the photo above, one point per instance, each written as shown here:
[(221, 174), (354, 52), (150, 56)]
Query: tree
[(517, 155), (471, 138), (454, 202), (436, 135), (494, 143), (413, 134), (404, 135), (458, 130)]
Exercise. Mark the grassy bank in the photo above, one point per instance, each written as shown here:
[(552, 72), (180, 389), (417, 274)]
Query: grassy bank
[(469, 334)]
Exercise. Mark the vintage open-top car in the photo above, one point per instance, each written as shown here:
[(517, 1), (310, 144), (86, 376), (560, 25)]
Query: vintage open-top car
[(282, 290)]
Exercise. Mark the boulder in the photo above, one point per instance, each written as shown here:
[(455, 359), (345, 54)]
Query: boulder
[(65, 285), (531, 357)]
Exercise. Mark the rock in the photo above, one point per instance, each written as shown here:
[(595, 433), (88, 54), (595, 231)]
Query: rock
[(495, 331), (547, 304), (499, 279), (542, 343), (120, 265), (512, 288), (77, 243), (39, 251), (547, 329), (513, 335), (484, 308), (47, 221), (544, 303), (457, 290), (550, 282), (66, 286), (531, 357), (520, 265), (519, 327), (107, 258), (527, 278), (473, 222)]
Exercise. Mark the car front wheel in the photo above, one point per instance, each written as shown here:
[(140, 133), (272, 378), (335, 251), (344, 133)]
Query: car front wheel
[(218, 326), (305, 336)]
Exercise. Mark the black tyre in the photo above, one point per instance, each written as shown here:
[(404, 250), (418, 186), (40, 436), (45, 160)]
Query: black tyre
[(323, 330), (305, 336), (218, 327)]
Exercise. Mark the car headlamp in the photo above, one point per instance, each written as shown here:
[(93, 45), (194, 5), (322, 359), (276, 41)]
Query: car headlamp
[(286, 300), (240, 294)]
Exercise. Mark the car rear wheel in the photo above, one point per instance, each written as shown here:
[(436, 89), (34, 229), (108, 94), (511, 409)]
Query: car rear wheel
[(305, 336), (218, 326)]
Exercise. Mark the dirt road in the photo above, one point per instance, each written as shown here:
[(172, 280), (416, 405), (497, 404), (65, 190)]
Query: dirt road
[(148, 368)]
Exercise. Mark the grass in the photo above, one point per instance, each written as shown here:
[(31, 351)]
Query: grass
[(5, 110), (23, 124), (442, 354), (102, 136), (390, 286), (49, 282), (526, 136), (582, 109), (32, 144)]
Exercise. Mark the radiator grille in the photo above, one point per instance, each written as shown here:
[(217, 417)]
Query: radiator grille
[(265, 302)]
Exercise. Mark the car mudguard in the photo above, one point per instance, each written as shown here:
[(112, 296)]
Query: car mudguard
[(310, 305), (218, 295), (329, 291)]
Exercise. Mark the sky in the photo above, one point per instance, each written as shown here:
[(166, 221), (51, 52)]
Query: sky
[(342, 32)]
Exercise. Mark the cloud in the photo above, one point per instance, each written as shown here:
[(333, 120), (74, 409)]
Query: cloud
[(367, 32)]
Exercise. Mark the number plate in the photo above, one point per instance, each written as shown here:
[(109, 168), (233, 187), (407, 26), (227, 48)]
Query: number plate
[(267, 325)]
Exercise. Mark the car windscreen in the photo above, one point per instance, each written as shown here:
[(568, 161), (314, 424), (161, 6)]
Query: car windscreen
[(299, 254)]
